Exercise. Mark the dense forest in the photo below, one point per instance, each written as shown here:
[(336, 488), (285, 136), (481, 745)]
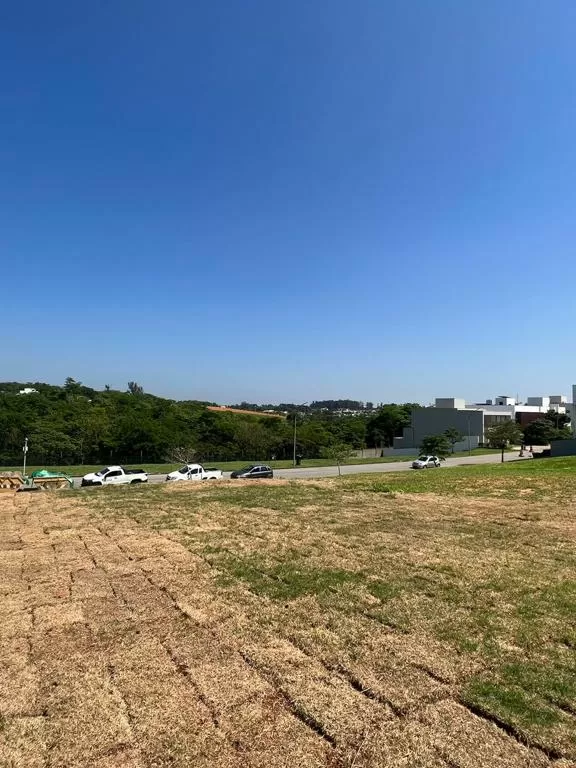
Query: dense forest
[(73, 423)]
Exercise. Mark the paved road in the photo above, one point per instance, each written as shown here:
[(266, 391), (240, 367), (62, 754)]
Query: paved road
[(392, 466), (355, 469)]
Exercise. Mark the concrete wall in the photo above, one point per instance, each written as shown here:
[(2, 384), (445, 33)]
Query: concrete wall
[(368, 453), (563, 448), (543, 402), (462, 446), (495, 410), (434, 421)]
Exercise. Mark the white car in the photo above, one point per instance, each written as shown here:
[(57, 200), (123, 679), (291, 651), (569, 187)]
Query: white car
[(195, 472), (424, 462), (115, 476)]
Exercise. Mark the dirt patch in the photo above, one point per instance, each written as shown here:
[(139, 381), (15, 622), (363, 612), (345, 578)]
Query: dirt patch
[(209, 486)]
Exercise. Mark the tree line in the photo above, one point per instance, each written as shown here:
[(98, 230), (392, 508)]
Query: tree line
[(75, 424)]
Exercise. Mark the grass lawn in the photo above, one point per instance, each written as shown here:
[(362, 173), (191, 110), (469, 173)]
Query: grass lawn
[(229, 466), (420, 619)]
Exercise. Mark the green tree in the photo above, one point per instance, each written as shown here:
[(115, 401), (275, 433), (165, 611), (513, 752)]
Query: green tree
[(388, 423), (504, 434), (87, 426), (435, 445), (350, 430), (560, 420), (134, 388), (252, 439), (454, 436), (337, 452), (50, 444), (73, 389), (312, 436), (543, 431)]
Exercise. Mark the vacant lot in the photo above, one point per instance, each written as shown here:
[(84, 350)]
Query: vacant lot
[(413, 620)]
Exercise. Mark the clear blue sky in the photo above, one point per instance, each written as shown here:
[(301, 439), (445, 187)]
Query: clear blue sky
[(287, 201)]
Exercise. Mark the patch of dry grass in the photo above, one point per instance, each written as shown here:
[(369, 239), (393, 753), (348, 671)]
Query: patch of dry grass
[(321, 623)]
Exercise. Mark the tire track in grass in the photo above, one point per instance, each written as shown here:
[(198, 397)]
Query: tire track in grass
[(509, 729)]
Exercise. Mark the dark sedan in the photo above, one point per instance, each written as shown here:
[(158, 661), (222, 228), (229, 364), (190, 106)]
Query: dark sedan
[(254, 472)]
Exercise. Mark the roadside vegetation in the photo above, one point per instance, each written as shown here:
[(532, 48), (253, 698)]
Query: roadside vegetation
[(73, 425)]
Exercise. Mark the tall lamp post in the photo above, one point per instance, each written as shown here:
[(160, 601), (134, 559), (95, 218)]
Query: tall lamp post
[(294, 447), (25, 451)]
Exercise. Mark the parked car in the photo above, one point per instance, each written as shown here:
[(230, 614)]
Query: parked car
[(424, 462), (115, 476), (195, 472), (254, 472)]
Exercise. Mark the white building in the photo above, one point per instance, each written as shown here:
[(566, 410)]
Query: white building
[(503, 400)]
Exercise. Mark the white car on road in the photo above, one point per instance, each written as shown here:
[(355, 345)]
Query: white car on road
[(115, 476), (195, 472), (424, 462)]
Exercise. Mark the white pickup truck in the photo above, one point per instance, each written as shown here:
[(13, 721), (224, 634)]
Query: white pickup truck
[(115, 476), (195, 472)]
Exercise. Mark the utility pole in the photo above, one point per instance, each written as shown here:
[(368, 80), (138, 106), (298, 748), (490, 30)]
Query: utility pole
[(25, 451), (295, 420)]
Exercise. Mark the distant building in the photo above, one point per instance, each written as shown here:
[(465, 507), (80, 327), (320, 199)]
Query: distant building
[(504, 400), (28, 391), (558, 400), (543, 402), (473, 419), (450, 402), (571, 409)]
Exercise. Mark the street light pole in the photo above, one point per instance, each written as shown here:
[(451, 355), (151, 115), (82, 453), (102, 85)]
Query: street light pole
[(295, 420), (469, 446), (25, 451)]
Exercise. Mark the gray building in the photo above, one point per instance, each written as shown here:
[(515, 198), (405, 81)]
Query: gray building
[(435, 420)]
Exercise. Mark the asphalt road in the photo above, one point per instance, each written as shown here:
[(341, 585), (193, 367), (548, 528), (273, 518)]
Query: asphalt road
[(355, 469), (392, 466)]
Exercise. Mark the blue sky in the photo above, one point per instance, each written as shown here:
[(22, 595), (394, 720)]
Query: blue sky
[(290, 201)]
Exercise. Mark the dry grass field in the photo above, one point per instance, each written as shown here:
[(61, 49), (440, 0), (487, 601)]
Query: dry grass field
[(424, 619)]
